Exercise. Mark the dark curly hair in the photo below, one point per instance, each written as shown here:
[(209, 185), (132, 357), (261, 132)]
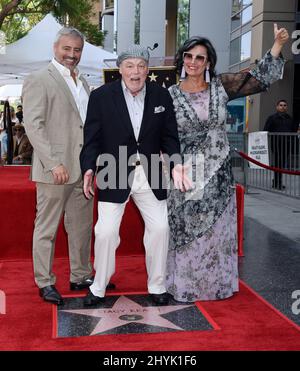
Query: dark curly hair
[(190, 44)]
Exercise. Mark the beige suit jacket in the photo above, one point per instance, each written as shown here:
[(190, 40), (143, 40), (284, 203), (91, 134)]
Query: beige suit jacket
[(53, 124)]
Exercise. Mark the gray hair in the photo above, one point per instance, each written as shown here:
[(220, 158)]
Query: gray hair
[(69, 31)]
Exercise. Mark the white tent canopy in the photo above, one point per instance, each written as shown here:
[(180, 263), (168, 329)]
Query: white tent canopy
[(10, 91), (35, 50)]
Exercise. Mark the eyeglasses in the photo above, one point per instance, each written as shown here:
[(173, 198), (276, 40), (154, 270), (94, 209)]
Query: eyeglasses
[(18, 129), (198, 58)]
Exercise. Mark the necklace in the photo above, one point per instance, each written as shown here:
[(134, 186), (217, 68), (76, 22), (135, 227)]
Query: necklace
[(193, 88)]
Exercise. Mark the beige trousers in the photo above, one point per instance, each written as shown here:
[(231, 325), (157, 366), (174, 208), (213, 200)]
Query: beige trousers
[(54, 201), (156, 236)]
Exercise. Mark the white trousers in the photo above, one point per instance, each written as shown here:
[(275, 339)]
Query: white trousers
[(156, 236)]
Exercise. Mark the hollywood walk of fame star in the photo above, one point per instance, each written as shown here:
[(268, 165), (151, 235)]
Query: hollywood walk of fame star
[(153, 77), (126, 311)]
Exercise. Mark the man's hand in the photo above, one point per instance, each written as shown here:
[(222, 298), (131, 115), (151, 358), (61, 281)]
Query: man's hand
[(60, 175), (88, 184), (180, 178)]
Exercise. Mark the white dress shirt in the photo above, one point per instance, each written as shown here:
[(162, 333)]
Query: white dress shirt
[(135, 106), (18, 140), (79, 93)]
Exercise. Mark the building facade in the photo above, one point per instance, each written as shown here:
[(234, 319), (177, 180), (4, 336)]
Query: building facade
[(241, 31), (251, 36), (167, 23)]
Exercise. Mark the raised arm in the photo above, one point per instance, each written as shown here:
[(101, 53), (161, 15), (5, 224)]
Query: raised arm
[(268, 70)]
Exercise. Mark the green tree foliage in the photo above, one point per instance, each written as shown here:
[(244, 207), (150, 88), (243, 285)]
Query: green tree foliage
[(183, 21), (17, 17)]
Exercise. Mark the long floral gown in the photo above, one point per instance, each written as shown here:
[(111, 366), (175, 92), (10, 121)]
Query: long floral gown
[(202, 259)]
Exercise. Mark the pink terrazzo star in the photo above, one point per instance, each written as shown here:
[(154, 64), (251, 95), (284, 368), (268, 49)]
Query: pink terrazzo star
[(126, 311)]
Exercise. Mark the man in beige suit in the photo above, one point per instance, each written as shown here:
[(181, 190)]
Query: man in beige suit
[(55, 103)]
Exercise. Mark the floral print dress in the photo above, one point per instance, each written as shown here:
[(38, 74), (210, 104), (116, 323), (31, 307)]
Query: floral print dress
[(202, 259)]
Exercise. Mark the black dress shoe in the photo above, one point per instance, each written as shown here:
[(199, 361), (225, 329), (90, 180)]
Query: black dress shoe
[(91, 299), (160, 299), (49, 293), (110, 286), (74, 286)]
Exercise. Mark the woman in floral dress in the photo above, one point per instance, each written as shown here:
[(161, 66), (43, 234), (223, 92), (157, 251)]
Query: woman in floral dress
[(202, 259)]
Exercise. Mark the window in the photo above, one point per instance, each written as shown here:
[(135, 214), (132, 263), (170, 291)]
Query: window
[(109, 4), (246, 3), (235, 51), (236, 7), (246, 46), (240, 47), (236, 115), (241, 13), (236, 21), (239, 5), (247, 15)]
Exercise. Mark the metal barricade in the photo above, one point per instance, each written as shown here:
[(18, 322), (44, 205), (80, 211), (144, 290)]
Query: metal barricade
[(237, 141), (283, 153)]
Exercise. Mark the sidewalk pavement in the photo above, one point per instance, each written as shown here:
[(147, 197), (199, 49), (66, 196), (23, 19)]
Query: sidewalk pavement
[(275, 211), (272, 250)]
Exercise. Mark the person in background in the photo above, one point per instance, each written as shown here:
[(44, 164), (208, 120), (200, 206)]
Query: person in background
[(202, 259), (22, 149), (19, 113), (280, 122), (13, 116), (3, 140)]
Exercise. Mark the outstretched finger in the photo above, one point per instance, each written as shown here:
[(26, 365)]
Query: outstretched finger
[(275, 28)]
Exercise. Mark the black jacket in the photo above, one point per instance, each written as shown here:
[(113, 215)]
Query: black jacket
[(108, 130), (280, 123)]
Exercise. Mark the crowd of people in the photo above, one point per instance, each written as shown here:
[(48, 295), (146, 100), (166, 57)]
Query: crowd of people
[(146, 131)]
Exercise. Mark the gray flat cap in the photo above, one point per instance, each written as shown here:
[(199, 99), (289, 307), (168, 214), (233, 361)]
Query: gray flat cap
[(135, 51)]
